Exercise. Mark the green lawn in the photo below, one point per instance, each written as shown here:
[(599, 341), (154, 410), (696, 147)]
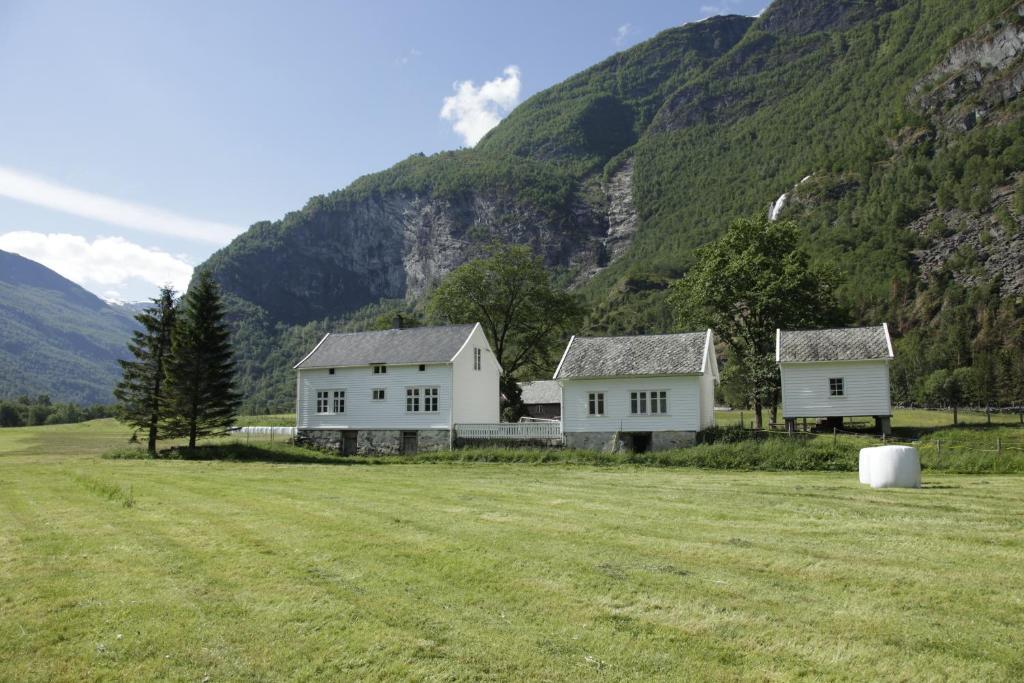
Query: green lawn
[(143, 569)]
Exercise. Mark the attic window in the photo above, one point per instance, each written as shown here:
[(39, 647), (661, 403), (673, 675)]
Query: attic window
[(380, 369), (330, 371), (835, 386), (423, 368), (476, 359)]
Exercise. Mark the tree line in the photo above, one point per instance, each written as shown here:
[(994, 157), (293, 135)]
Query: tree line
[(29, 411), (180, 380)]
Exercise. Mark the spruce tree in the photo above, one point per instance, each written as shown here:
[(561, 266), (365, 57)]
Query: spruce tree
[(140, 393), (200, 372)]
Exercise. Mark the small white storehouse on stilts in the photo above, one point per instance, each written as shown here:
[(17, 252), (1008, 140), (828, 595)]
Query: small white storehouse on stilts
[(834, 374)]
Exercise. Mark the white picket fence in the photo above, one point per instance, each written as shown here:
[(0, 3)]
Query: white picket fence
[(511, 431), (271, 431)]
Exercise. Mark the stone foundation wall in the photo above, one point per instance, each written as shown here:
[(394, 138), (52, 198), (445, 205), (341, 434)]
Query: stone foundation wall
[(666, 441), (374, 441), (615, 442), (604, 442)]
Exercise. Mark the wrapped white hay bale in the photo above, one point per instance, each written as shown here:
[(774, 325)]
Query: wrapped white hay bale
[(864, 464), (891, 467)]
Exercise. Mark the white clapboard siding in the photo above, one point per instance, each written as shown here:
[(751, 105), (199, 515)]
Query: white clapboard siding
[(684, 404), (361, 411), (476, 395), (805, 388)]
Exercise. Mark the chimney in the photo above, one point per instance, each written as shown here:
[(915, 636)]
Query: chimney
[(397, 322)]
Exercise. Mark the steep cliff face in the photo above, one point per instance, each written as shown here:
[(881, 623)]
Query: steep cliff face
[(978, 75), (538, 179), (398, 245)]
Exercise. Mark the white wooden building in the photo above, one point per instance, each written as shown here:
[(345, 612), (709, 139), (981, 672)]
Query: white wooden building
[(646, 392), (835, 373), (395, 391)]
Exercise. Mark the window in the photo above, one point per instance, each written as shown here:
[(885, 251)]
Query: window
[(476, 358), (339, 401), (835, 386), (380, 369), (322, 399), (430, 399), (330, 371), (414, 404), (595, 403), (378, 394), (423, 368), (648, 402)]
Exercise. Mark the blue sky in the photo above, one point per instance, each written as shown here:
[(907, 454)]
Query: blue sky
[(138, 137)]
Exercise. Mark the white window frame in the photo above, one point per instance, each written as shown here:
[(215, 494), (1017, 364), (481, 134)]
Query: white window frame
[(422, 400), (380, 369), (837, 387), (323, 402), (378, 394), (595, 403), (643, 402), (338, 401)]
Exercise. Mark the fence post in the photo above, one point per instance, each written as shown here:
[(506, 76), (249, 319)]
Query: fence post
[(999, 446), (835, 438), (938, 450)]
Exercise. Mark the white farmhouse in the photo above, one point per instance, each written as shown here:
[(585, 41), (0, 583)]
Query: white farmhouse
[(835, 374), (395, 391), (648, 392)]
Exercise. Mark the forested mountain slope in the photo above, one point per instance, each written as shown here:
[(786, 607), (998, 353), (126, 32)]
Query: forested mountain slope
[(55, 337), (893, 126)]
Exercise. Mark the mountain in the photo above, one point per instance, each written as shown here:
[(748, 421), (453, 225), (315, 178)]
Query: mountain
[(55, 337), (892, 127)]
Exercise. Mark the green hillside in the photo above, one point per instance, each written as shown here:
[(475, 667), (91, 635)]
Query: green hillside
[(901, 119), (55, 337)]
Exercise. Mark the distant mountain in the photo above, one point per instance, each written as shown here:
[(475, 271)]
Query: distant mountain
[(895, 128), (55, 337)]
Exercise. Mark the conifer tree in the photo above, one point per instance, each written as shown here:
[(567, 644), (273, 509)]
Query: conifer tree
[(140, 394), (200, 373)]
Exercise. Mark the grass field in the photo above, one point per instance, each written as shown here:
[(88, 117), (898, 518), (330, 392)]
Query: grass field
[(199, 570)]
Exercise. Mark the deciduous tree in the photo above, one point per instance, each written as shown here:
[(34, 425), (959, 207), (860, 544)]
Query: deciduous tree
[(526, 318), (748, 283)]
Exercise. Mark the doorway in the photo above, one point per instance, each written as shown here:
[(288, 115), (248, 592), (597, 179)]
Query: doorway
[(349, 442), (410, 443), (640, 442)]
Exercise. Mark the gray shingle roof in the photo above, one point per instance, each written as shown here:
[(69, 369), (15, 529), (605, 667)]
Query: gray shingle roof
[(414, 345), (850, 343), (543, 391), (653, 354)]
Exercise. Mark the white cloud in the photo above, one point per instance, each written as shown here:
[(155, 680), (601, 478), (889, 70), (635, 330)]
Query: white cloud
[(622, 33), (106, 266), (27, 188), (473, 111)]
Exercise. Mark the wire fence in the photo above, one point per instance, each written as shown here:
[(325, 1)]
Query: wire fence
[(1009, 445)]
